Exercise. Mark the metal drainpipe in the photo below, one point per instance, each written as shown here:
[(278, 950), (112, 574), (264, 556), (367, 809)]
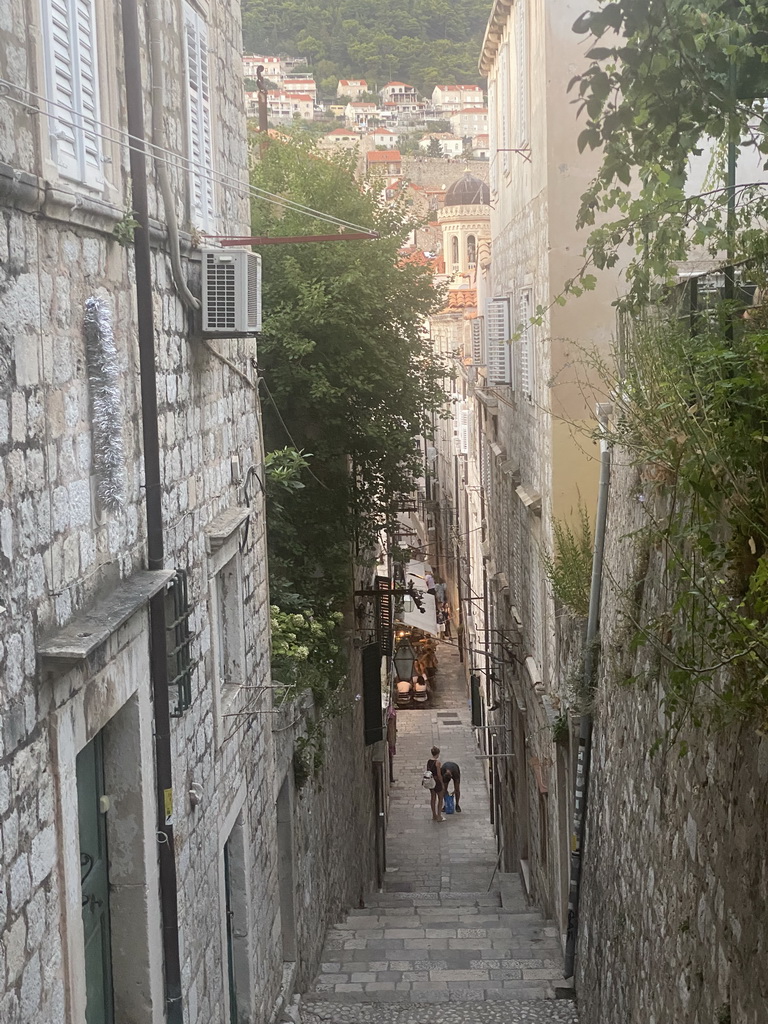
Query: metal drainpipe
[(152, 481), (585, 725)]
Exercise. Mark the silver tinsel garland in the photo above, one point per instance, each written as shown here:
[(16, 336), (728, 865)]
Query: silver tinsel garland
[(106, 403)]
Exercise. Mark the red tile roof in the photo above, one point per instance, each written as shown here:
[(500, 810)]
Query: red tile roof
[(462, 299), (384, 155)]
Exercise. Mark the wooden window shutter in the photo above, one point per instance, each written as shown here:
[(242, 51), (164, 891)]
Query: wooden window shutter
[(72, 88), (526, 356), (478, 341), (497, 348), (199, 119), (372, 710)]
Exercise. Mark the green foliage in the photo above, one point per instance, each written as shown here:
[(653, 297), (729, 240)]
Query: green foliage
[(569, 570), (422, 42), (664, 79), (561, 729), (692, 412), (349, 375), (125, 227), (434, 148)]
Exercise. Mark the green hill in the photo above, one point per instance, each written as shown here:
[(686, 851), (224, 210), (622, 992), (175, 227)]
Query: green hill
[(422, 42)]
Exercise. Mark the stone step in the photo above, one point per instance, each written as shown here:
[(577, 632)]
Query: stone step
[(423, 1012), (437, 898), (424, 992)]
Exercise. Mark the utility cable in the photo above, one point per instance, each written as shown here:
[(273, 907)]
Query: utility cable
[(172, 159), (287, 431)]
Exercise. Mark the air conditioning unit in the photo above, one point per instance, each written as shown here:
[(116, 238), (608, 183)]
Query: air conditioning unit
[(231, 292)]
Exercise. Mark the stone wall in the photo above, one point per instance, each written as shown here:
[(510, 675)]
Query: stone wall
[(61, 552), (436, 171), (673, 915)]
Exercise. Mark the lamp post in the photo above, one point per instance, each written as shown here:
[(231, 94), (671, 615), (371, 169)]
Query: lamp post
[(403, 661)]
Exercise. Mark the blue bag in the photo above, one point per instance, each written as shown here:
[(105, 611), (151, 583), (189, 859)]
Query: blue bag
[(448, 804)]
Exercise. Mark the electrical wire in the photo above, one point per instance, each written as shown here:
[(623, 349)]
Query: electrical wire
[(173, 159)]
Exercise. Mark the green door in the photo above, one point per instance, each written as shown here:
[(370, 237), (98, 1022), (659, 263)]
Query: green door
[(94, 875), (230, 914)]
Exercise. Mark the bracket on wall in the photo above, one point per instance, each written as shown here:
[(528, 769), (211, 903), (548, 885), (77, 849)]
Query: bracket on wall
[(524, 152)]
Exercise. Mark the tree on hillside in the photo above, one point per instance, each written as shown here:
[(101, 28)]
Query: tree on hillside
[(349, 375), (422, 42), (666, 81)]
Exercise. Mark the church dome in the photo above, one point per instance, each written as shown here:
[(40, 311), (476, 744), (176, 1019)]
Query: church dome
[(467, 191)]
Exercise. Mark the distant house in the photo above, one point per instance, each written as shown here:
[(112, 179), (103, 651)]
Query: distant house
[(300, 84), (450, 146), (340, 138), (360, 114), (285, 106), (384, 161), (352, 88), (382, 137), (480, 147), (450, 98), (398, 94), (470, 121), (273, 67)]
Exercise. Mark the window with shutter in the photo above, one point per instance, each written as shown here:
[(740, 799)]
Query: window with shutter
[(521, 33), (199, 119), (526, 355), (72, 89), (493, 136), (504, 112), (497, 348), (464, 414), (478, 341)]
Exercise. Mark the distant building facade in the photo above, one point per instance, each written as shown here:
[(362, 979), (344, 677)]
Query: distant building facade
[(285, 106), (470, 121), (450, 98), (384, 161), (351, 88)]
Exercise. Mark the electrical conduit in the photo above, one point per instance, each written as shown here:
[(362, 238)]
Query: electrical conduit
[(585, 725)]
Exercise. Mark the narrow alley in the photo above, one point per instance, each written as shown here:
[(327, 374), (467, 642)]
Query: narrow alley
[(447, 928)]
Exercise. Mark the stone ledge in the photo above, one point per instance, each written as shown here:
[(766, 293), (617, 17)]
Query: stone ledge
[(90, 629), (220, 529)]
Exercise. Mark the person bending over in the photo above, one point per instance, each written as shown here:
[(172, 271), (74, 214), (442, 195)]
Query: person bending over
[(452, 772)]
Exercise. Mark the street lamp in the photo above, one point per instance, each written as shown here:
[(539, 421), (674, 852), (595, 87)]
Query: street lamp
[(403, 662)]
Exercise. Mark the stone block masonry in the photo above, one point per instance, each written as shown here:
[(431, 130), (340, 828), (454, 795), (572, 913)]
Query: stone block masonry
[(674, 908)]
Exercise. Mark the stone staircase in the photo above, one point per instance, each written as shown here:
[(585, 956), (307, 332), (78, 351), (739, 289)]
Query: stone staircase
[(443, 947)]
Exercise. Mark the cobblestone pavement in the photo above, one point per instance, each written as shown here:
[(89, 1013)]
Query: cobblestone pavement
[(447, 928)]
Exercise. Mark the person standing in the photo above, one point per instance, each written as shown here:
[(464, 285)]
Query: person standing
[(451, 772), (429, 583), (446, 610), (436, 794)]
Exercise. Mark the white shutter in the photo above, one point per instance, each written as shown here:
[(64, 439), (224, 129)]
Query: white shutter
[(478, 341), (89, 97), (72, 88), (526, 355), (464, 414), (504, 111), (522, 74), (199, 119), (485, 466), (493, 135), (497, 349)]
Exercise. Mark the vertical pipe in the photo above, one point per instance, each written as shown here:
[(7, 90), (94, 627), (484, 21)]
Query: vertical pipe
[(585, 727), (153, 496)]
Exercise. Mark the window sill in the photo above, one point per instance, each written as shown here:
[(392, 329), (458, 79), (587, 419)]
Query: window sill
[(90, 629)]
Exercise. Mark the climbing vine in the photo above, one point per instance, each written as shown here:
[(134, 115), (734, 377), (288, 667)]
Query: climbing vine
[(665, 80), (569, 568), (692, 412)]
